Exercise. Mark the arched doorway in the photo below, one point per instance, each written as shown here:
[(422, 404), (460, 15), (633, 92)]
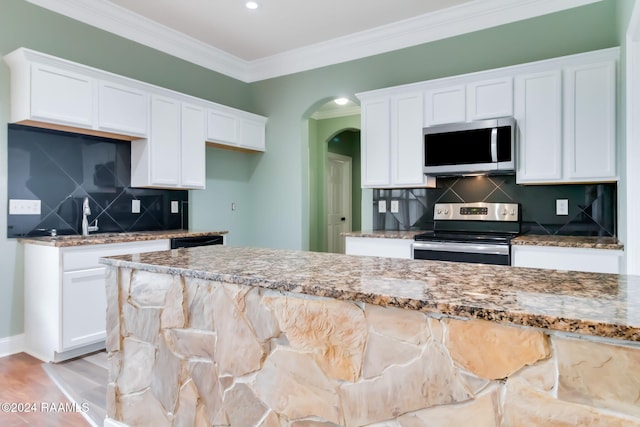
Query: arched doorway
[(336, 132)]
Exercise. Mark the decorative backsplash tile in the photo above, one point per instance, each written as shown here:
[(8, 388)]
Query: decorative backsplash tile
[(60, 169), (592, 207)]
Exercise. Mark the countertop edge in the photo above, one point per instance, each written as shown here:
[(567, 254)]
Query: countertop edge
[(585, 327), (107, 238)]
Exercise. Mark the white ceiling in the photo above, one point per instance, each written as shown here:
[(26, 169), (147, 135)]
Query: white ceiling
[(277, 25), (287, 36)]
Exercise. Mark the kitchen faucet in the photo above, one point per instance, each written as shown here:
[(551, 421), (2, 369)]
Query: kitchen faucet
[(86, 210)]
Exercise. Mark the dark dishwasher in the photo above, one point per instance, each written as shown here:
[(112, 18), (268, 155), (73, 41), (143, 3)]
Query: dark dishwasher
[(190, 242)]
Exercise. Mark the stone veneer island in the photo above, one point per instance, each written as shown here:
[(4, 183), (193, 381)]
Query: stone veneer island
[(223, 336)]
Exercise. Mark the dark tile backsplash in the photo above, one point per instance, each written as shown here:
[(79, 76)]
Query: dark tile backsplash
[(592, 207), (60, 169)]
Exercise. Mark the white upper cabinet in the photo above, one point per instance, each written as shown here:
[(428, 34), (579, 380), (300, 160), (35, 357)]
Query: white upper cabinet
[(488, 99), (566, 121), (590, 122), (376, 136), (445, 105), (406, 140), (164, 142), (222, 126), (252, 133), (174, 154), (123, 109), (236, 129), (392, 140), (469, 101), (192, 148), (538, 114), (54, 93), (60, 96)]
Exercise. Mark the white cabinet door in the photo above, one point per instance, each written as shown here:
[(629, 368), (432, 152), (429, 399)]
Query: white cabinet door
[(375, 114), (252, 134), (445, 105), (488, 99), (590, 122), (406, 139), (569, 259), (538, 114), (222, 126), (83, 307), (60, 96), (165, 141), (192, 171), (372, 246), (123, 109)]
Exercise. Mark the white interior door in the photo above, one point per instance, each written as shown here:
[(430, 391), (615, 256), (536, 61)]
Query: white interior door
[(338, 185)]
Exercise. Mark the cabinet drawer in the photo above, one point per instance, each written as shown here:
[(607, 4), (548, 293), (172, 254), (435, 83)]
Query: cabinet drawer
[(84, 257)]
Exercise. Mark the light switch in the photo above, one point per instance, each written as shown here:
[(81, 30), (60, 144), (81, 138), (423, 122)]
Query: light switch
[(174, 207), (394, 206), (24, 207), (562, 207), (135, 206), (382, 206)]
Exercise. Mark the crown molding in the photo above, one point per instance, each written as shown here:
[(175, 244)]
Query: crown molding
[(124, 23), (461, 19)]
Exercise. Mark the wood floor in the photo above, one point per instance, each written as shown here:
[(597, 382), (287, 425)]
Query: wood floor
[(31, 393)]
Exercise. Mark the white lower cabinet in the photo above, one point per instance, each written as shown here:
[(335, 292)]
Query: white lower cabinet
[(568, 259), (384, 247), (83, 292), (65, 297)]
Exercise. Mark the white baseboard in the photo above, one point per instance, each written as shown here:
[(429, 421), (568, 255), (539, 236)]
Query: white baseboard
[(108, 422), (11, 345)]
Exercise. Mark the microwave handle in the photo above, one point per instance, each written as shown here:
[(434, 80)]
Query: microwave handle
[(494, 144)]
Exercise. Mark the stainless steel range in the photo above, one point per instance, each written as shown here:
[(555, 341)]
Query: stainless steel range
[(470, 232)]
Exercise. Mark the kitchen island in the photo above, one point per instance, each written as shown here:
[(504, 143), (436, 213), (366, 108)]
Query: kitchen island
[(260, 337)]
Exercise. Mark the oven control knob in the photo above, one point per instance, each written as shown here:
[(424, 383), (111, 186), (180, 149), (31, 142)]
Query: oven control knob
[(446, 211), (439, 211), (504, 212)]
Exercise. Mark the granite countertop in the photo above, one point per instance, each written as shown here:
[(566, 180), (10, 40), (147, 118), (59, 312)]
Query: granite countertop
[(587, 242), (103, 238), (603, 305), (409, 234)]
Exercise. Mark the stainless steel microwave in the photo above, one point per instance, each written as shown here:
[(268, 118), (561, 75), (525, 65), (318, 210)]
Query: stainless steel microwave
[(480, 147)]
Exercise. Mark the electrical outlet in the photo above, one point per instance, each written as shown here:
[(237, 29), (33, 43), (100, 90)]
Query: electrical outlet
[(174, 207), (382, 206), (395, 206), (562, 207), (135, 206), (24, 207)]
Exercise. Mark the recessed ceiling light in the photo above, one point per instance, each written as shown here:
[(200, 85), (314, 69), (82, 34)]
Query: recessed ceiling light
[(341, 101), (251, 5)]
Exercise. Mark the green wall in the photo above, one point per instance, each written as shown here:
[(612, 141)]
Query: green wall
[(272, 190)]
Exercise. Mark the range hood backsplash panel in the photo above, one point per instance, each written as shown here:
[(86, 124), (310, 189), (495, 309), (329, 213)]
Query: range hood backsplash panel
[(592, 207)]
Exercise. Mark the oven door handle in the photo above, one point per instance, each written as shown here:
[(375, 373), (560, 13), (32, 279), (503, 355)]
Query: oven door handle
[(473, 248)]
